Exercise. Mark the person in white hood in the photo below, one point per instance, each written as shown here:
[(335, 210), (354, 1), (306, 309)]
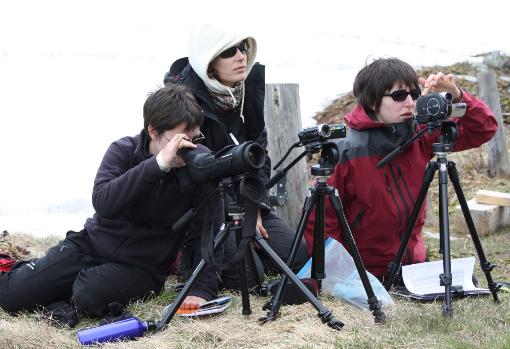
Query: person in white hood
[(230, 87)]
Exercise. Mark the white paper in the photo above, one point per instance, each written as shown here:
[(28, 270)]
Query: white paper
[(423, 278)]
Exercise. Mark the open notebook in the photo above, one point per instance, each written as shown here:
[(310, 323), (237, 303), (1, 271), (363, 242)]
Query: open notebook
[(422, 280)]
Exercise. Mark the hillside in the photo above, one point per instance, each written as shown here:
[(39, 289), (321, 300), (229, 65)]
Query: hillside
[(465, 76)]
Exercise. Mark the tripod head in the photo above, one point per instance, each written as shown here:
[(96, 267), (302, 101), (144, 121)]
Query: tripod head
[(314, 139), (241, 190), (449, 135), (327, 161)]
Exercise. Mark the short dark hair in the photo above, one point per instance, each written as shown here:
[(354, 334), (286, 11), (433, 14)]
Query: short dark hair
[(170, 106), (377, 78)]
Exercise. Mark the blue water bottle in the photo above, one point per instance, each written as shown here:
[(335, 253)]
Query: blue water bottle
[(125, 329)]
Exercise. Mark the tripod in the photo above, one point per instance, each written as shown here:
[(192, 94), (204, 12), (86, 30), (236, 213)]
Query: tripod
[(446, 169), (316, 197), (239, 214)]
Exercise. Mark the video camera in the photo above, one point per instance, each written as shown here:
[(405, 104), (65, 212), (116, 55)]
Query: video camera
[(434, 108), (321, 132), (206, 167)]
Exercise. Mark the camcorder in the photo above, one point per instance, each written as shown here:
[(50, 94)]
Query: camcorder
[(322, 132), (206, 167), (434, 108)]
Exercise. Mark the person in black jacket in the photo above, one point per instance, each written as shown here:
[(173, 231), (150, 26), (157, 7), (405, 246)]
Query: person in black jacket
[(125, 250), (230, 87)]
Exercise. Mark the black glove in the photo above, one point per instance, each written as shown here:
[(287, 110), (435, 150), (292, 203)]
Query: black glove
[(61, 314), (116, 312)]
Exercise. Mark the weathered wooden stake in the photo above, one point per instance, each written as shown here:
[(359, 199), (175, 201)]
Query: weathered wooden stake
[(283, 122), (498, 162)]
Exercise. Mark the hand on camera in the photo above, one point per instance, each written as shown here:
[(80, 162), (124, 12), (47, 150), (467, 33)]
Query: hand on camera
[(169, 152), (440, 82)]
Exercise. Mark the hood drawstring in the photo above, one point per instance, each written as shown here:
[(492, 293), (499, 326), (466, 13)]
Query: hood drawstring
[(233, 98), (242, 101)]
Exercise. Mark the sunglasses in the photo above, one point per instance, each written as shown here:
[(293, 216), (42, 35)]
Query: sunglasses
[(231, 52), (401, 95), (198, 139)]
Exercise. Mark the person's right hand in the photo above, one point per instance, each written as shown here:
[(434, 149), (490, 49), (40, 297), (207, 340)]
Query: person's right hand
[(192, 302), (440, 83), (169, 152)]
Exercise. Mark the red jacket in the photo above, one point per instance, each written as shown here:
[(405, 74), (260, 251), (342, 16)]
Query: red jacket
[(377, 202)]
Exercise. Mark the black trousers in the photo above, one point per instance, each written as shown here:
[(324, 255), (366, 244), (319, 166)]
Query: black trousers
[(71, 271), (281, 237)]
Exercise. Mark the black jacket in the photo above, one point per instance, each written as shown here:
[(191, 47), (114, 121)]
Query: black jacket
[(217, 126), (136, 205)]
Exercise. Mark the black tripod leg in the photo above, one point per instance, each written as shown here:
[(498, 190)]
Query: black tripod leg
[(257, 270), (373, 302), (243, 283), (394, 266), (318, 265), (444, 231), (486, 266), (189, 284), (276, 300), (325, 314)]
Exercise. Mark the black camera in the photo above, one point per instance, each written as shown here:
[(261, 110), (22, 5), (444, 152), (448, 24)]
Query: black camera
[(206, 167), (434, 108), (322, 132)]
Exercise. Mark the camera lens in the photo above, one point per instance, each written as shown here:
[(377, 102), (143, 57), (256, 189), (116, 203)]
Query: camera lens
[(254, 156), (323, 130)]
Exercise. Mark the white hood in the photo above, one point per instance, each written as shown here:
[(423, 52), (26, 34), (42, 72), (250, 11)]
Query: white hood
[(207, 42)]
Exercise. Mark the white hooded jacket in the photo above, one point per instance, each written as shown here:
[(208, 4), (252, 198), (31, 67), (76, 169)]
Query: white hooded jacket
[(207, 42)]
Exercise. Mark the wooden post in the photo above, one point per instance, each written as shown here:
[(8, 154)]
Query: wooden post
[(498, 155), (283, 122)]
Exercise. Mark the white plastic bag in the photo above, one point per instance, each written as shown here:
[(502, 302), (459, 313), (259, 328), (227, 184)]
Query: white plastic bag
[(342, 278)]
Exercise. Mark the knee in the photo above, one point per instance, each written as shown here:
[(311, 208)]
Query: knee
[(87, 301), (88, 296)]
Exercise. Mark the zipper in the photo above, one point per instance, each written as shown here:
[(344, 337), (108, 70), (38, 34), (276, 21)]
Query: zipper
[(357, 220), (399, 191), (161, 182), (407, 254), (406, 187), (388, 188)]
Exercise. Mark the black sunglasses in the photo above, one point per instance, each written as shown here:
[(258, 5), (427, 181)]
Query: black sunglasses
[(401, 95), (231, 52), (198, 139)]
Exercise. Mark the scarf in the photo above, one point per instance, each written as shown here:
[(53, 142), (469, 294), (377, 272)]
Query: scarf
[(232, 101)]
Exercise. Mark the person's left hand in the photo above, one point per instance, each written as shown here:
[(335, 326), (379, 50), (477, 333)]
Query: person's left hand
[(192, 302), (440, 83), (260, 227)]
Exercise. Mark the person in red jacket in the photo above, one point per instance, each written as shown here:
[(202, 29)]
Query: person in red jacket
[(378, 201)]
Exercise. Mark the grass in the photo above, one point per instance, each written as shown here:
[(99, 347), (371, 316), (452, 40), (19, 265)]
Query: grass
[(476, 322)]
